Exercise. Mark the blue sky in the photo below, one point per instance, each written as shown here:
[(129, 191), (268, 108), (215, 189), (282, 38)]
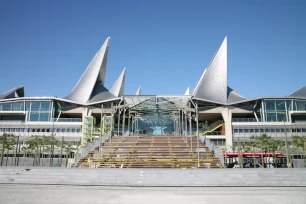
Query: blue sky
[(165, 45)]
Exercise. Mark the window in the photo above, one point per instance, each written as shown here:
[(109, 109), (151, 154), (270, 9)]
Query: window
[(16, 106), (72, 130), (44, 117), (34, 116), (63, 130), (35, 106), (6, 106), (45, 106)]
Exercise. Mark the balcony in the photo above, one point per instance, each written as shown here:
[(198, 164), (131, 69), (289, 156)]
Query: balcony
[(246, 120), (68, 120)]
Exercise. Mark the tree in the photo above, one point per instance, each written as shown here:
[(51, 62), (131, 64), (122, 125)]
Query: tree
[(2, 141), (35, 143), (9, 143), (300, 143), (68, 147), (275, 145), (262, 142)]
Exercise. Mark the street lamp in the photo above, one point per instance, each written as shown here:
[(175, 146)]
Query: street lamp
[(287, 149)]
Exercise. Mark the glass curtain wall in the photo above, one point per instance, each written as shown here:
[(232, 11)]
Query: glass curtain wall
[(12, 106), (39, 110), (157, 123), (276, 110)]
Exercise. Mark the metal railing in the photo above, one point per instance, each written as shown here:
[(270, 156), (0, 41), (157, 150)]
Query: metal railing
[(215, 133), (11, 122), (217, 152), (66, 120), (246, 120), (83, 151)]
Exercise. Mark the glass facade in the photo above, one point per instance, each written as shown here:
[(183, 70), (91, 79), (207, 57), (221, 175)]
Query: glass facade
[(12, 106), (156, 123), (299, 105), (39, 110), (276, 110), (39, 130)]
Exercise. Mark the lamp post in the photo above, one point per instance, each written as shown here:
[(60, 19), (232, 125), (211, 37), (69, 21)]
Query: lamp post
[(287, 149)]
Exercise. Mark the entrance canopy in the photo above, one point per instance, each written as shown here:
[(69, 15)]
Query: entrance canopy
[(151, 103), (157, 114)]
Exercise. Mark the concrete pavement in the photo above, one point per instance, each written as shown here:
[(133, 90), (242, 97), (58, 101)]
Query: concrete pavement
[(57, 194)]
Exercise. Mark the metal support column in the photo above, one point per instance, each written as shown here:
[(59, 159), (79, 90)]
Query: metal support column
[(123, 121), (190, 130), (129, 121), (197, 124), (118, 121), (100, 137), (179, 123)]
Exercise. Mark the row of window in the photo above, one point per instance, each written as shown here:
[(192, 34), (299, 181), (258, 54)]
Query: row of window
[(218, 142), (39, 130), (267, 130), (29, 106)]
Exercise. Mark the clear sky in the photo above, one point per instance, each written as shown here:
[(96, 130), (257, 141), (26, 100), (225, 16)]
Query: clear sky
[(165, 45)]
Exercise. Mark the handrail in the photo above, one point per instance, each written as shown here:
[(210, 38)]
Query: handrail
[(246, 120), (83, 151), (215, 124), (214, 133), (211, 130), (66, 120), (217, 152)]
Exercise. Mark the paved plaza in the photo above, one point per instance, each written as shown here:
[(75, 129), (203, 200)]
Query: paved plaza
[(57, 194)]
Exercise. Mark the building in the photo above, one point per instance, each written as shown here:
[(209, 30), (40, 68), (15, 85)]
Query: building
[(213, 108)]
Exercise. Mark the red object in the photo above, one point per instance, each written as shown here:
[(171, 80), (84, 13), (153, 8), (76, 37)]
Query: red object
[(246, 154)]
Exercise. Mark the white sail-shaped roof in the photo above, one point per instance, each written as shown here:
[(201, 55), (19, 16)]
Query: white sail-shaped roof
[(118, 87), (138, 92), (233, 96), (187, 92), (213, 84), (93, 76)]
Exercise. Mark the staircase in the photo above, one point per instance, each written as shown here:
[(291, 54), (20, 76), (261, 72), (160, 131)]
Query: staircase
[(145, 151)]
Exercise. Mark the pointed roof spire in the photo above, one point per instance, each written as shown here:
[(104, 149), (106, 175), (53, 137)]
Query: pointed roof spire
[(94, 75), (187, 91), (138, 92), (14, 93), (198, 83), (300, 93), (118, 87), (213, 84)]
